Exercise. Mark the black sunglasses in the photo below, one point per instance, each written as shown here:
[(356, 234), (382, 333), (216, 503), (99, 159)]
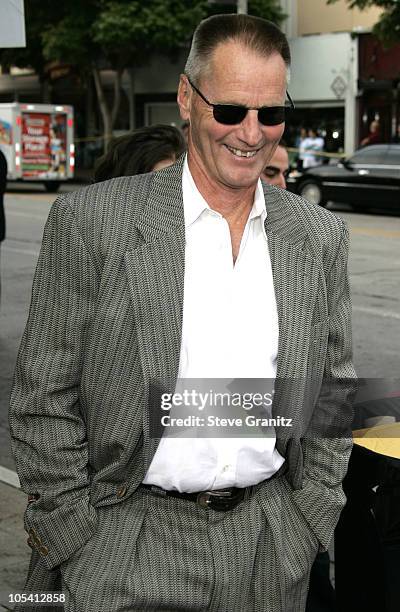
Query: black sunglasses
[(232, 114)]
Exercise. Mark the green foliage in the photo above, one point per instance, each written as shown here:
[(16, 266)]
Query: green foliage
[(69, 41), (129, 32), (388, 27), (94, 34), (119, 33)]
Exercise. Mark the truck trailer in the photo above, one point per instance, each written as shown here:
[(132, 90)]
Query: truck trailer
[(38, 142)]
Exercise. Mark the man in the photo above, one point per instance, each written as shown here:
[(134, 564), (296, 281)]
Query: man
[(276, 171), (374, 135), (308, 147), (192, 271)]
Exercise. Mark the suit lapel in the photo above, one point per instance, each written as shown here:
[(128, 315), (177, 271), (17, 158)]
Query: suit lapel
[(155, 272)]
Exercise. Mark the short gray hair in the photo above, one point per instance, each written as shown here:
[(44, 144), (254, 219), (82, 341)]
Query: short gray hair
[(259, 35)]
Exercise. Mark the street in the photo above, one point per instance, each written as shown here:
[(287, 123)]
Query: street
[(374, 269)]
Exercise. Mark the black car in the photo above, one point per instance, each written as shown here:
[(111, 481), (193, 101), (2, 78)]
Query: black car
[(368, 179)]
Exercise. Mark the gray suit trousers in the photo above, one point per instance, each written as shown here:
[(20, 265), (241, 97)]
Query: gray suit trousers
[(154, 553)]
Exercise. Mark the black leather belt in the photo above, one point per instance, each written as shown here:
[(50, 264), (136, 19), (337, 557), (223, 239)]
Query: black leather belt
[(221, 500)]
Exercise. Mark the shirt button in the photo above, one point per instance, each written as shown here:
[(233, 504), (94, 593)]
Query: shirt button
[(121, 491)]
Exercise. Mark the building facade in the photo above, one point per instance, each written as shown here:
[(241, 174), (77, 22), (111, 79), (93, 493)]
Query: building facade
[(325, 52), (379, 87)]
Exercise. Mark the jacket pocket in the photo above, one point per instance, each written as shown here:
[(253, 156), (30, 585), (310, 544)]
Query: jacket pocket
[(295, 542)]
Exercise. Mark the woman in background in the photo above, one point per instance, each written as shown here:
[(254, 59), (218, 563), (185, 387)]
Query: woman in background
[(143, 150)]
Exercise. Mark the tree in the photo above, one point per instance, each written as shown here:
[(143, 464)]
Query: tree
[(119, 34), (125, 33), (388, 27), (92, 35)]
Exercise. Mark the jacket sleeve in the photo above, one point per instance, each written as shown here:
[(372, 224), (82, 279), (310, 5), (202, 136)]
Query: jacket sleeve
[(46, 421), (328, 443)]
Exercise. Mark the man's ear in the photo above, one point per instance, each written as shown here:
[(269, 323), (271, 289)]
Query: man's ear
[(184, 97)]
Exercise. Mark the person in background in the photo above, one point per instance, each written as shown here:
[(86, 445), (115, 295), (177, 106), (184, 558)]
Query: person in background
[(309, 146), (374, 135), (278, 167), (301, 136), (146, 149), (3, 182)]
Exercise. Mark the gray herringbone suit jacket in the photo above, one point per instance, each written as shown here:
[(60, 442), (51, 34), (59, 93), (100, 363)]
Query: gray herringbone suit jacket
[(106, 318)]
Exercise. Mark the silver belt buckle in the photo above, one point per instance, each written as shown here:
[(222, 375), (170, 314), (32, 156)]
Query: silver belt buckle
[(204, 497)]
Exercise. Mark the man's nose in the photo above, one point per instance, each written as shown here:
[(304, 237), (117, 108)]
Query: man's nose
[(251, 132)]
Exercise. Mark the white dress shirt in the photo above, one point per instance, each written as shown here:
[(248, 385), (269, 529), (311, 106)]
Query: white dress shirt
[(230, 330)]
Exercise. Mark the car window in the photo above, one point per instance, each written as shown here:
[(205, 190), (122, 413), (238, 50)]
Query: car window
[(393, 156), (370, 155)]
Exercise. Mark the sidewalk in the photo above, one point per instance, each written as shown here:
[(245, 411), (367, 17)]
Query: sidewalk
[(15, 552)]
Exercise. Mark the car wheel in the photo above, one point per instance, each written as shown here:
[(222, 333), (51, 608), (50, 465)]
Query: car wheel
[(311, 190)]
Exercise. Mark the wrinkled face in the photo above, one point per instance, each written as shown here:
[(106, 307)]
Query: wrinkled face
[(275, 171), (217, 152)]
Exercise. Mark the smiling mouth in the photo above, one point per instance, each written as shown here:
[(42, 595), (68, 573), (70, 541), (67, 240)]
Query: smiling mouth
[(241, 153)]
